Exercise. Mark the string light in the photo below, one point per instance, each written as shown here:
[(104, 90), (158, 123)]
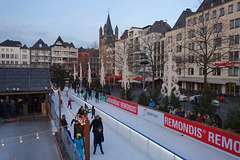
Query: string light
[(3, 143), (20, 141), (53, 133), (37, 136)]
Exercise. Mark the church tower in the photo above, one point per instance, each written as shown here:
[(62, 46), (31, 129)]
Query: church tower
[(116, 33)]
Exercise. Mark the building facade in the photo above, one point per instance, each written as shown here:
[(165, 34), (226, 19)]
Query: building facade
[(13, 53), (40, 54)]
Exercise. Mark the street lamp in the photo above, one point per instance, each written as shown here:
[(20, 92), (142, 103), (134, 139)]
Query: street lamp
[(144, 62)]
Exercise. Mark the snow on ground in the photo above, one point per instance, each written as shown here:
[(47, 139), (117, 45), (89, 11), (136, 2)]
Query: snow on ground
[(114, 146), (181, 145)]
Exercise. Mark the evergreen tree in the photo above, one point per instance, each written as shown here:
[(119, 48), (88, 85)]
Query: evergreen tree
[(166, 102), (143, 99), (59, 75), (155, 96), (122, 94), (174, 101), (205, 105), (129, 95), (233, 122)]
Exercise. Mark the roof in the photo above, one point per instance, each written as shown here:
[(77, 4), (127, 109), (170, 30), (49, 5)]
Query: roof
[(27, 79), (60, 42), (108, 26), (11, 43), (24, 47), (124, 35), (37, 45), (160, 27), (182, 19), (206, 4)]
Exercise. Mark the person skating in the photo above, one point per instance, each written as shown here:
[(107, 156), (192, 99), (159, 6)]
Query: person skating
[(79, 144), (97, 97), (90, 94), (81, 111), (70, 103), (98, 139), (93, 112), (97, 122)]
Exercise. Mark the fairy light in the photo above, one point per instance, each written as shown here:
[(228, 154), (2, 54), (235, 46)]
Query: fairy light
[(53, 133), (3, 143), (37, 136), (20, 139)]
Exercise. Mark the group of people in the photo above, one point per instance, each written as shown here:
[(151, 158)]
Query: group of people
[(79, 129), (14, 108)]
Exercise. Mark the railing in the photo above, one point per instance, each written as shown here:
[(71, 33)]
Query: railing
[(23, 66), (70, 147), (147, 145)]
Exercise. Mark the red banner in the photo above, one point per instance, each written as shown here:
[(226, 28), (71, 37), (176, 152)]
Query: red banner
[(216, 138), (130, 107)]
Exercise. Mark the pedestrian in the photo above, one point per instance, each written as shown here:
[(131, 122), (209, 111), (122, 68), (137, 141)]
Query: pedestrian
[(20, 106), (79, 144), (82, 92), (96, 123), (13, 107), (5, 109), (206, 119), (69, 87), (151, 103), (93, 112), (192, 116), (199, 118), (70, 103), (182, 112), (172, 110), (97, 97), (98, 139), (35, 102), (90, 94), (86, 110), (65, 125), (225, 98), (85, 97), (78, 92), (81, 111)]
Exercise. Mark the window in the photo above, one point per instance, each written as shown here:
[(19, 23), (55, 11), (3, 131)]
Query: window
[(179, 71), (190, 71), (24, 62), (237, 23), (214, 14), (230, 9), (200, 71), (24, 56), (234, 56), (203, 31), (3, 62), (231, 24), (179, 48), (194, 20), (189, 22), (2, 49), (211, 4), (7, 55), (222, 12), (3, 55), (200, 19), (216, 71), (190, 59), (231, 40), (238, 7), (203, 45), (16, 62), (220, 27), (179, 37), (193, 33), (215, 28), (216, 57), (7, 62), (12, 62), (193, 46), (237, 39), (16, 56), (217, 42), (11, 56), (233, 71), (169, 39), (207, 16)]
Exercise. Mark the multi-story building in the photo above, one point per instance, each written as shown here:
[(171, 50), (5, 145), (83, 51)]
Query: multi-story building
[(94, 61), (40, 54), (83, 58), (65, 54), (107, 46), (208, 36), (13, 53)]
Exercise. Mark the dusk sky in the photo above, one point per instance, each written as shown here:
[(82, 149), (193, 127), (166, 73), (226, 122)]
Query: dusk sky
[(78, 21)]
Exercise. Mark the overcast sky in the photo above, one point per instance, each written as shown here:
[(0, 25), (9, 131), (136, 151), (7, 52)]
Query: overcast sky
[(78, 21)]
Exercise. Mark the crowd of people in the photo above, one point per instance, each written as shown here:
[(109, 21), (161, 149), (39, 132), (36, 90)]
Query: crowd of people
[(79, 128)]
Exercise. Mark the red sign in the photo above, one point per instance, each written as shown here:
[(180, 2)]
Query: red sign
[(216, 138), (130, 107), (224, 64)]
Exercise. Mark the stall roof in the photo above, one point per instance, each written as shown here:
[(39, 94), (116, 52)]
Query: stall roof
[(24, 79)]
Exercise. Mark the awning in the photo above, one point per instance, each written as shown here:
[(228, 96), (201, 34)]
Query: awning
[(131, 81), (150, 79), (212, 81)]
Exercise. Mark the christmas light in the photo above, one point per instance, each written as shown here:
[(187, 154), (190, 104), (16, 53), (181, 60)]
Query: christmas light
[(37, 136), (20, 139), (53, 133), (3, 143)]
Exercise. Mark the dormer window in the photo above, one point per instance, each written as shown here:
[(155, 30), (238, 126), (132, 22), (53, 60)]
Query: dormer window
[(212, 4), (40, 45)]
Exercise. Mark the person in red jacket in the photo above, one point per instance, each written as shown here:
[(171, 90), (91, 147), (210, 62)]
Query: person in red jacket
[(199, 118), (70, 103)]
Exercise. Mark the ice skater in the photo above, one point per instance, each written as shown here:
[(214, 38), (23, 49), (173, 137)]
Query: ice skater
[(70, 103), (79, 144), (98, 139)]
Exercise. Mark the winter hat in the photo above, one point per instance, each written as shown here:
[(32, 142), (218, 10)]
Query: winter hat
[(97, 116), (79, 134)]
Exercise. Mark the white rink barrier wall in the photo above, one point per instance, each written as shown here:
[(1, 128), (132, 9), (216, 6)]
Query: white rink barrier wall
[(144, 143)]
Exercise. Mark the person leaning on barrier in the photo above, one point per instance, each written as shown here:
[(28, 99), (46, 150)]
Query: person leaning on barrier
[(65, 125)]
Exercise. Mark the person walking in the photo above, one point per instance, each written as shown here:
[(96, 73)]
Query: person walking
[(4, 106), (78, 92), (79, 144), (13, 107), (98, 139), (70, 103), (97, 97)]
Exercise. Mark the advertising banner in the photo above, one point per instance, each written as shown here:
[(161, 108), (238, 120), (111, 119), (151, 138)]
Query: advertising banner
[(216, 138), (151, 115), (127, 106)]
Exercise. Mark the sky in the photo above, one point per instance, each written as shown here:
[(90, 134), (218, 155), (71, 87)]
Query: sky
[(78, 21)]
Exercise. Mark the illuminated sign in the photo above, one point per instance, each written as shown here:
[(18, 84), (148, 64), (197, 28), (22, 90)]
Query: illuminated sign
[(224, 64)]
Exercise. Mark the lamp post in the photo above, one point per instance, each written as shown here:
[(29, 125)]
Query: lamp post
[(144, 62)]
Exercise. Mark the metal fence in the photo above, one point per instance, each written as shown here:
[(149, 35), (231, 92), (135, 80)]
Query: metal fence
[(67, 141)]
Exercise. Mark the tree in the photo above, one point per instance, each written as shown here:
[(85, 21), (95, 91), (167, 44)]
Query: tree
[(143, 99), (127, 95), (155, 96), (208, 41), (233, 122), (174, 101), (59, 76)]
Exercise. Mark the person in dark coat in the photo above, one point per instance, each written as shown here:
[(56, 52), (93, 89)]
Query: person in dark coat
[(97, 97), (192, 116), (4, 106), (97, 122), (98, 139), (90, 94), (81, 111), (65, 125), (93, 112)]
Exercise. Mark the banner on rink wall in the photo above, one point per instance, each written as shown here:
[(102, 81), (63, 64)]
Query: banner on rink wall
[(224, 141), (127, 106), (151, 115)]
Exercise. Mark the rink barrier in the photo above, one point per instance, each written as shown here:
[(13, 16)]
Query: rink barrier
[(70, 147), (152, 148)]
